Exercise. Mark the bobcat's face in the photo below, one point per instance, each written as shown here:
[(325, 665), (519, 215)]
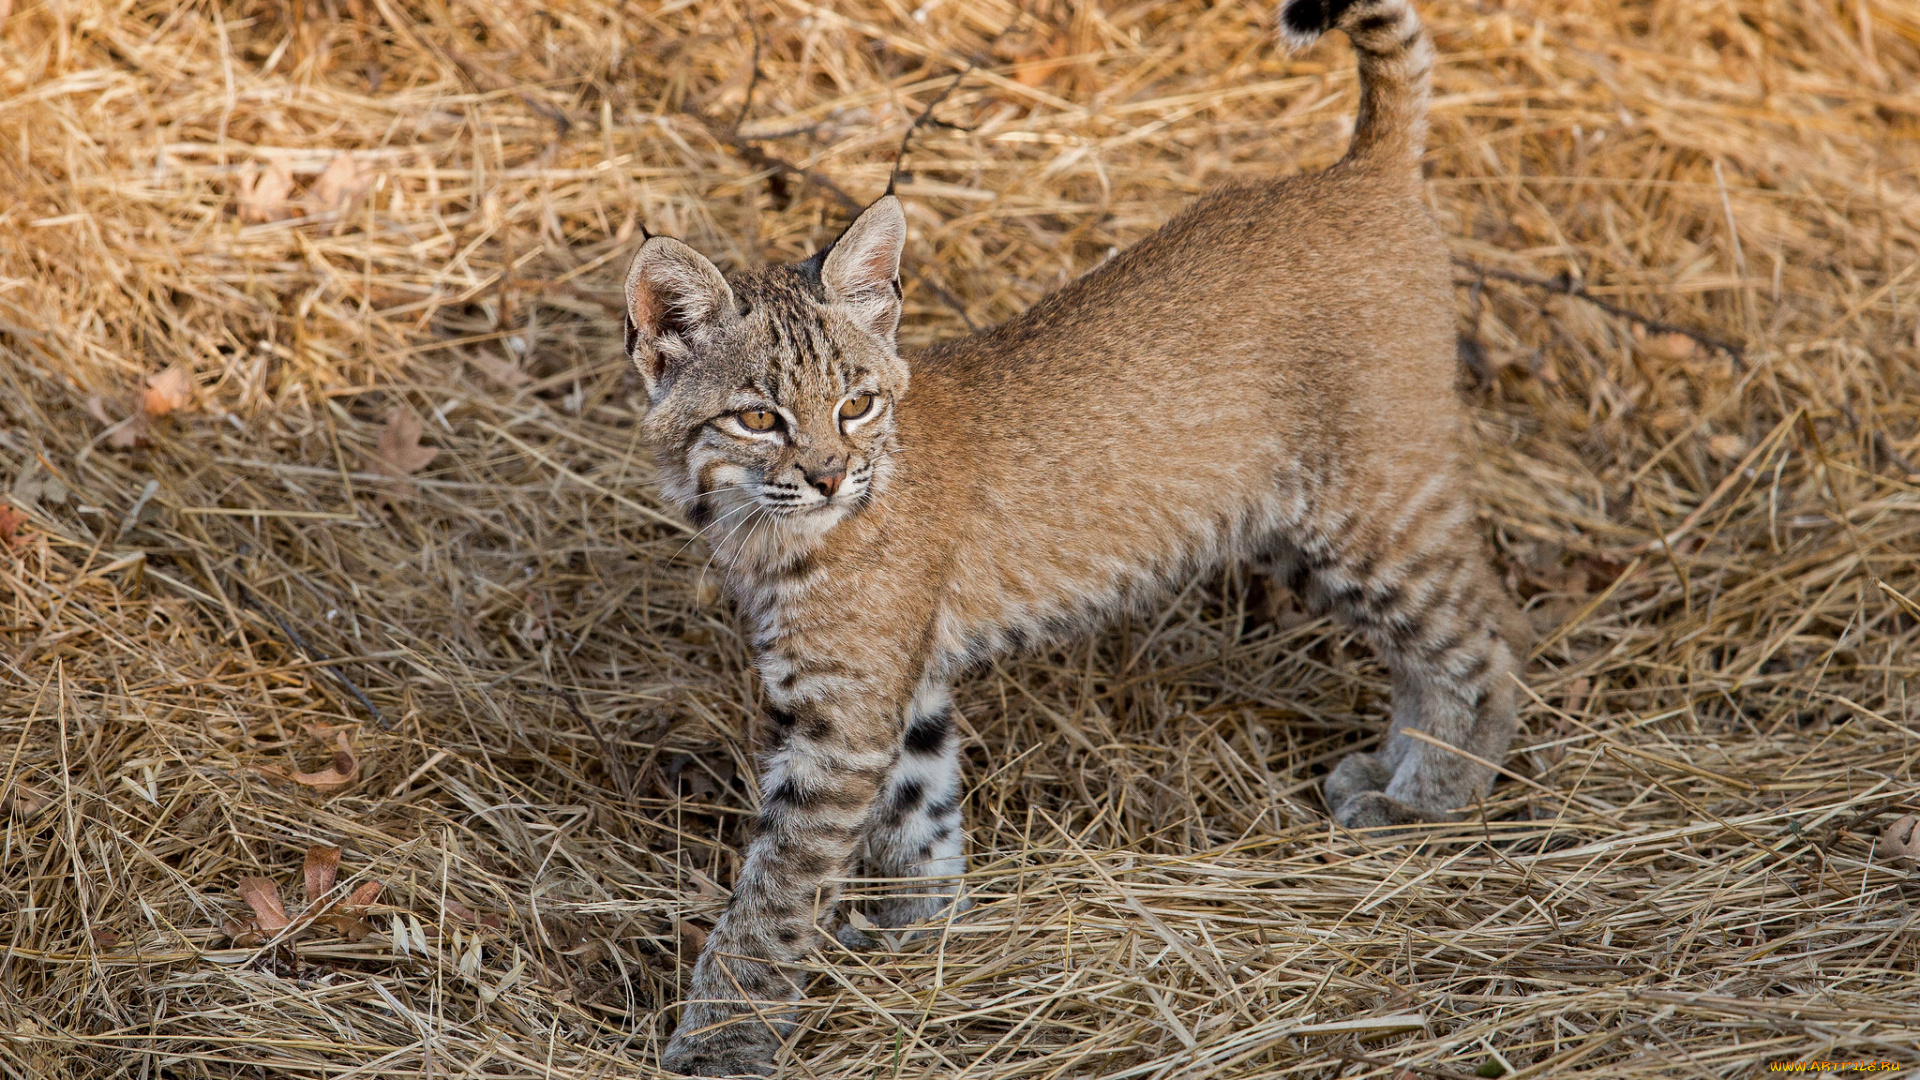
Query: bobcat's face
[(772, 396)]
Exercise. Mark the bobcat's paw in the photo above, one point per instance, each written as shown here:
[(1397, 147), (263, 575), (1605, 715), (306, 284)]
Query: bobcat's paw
[(1355, 774), (1372, 809), (856, 939), (744, 1047), (708, 1055)]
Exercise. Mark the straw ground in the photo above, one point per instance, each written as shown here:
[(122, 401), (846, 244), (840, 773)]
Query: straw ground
[(249, 613)]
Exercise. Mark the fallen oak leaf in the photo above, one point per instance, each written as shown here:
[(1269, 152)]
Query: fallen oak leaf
[(1727, 447), (346, 926), (171, 389), (345, 769), (364, 895), (263, 195), (398, 453), (343, 180), (242, 935), (1672, 346), (1900, 840), (321, 868), (263, 896), (10, 522), (120, 434), (694, 938), (466, 914), (497, 369), (25, 801)]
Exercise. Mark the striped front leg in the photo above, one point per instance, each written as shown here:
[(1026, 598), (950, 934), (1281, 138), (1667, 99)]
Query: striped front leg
[(915, 831), (817, 791)]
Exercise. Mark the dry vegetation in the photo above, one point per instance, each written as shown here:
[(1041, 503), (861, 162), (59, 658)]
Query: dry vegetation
[(309, 378)]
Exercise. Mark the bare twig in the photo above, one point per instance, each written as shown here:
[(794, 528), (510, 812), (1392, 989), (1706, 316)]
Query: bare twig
[(760, 159), (1567, 285), (926, 115), (247, 599), (616, 767), (753, 76)]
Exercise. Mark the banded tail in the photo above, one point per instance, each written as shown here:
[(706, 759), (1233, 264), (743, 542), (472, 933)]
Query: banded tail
[(1396, 67)]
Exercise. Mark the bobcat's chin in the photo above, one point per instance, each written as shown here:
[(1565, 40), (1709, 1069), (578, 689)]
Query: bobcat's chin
[(760, 532)]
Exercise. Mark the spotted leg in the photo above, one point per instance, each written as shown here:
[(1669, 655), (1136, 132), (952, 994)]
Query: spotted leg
[(915, 831), (835, 747)]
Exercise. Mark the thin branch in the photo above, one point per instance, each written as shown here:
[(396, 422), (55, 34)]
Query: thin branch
[(616, 768), (926, 114), (753, 78), (1566, 285), (760, 159), (1880, 441), (249, 600)]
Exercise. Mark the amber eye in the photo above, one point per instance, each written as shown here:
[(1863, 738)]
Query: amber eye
[(856, 407), (757, 419)]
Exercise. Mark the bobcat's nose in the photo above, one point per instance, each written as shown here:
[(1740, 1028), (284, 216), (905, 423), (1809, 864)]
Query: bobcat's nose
[(826, 479)]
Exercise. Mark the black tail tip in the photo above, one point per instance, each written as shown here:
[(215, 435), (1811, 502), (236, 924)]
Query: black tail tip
[(1304, 20)]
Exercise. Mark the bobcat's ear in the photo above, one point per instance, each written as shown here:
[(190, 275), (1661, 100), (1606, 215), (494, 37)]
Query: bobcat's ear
[(672, 290), (862, 269)]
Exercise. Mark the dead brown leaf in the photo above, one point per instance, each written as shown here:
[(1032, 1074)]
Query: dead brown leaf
[(1900, 840), (691, 777), (27, 802), (263, 896), (120, 434), (243, 934), (1577, 692), (322, 867), (498, 369), (1668, 347), (399, 453), (694, 938), (10, 522), (263, 194), (171, 389), (344, 770), (346, 926), (366, 893), (466, 914), (1036, 54), (343, 181), (1727, 447)]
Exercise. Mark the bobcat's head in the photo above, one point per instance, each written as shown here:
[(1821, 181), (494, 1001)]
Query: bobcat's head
[(772, 395)]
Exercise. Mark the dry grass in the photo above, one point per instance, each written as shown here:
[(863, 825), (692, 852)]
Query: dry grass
[(1683, 876)]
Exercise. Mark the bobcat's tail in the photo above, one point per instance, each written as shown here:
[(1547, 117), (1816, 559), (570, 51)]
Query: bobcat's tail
[(1396, 65)]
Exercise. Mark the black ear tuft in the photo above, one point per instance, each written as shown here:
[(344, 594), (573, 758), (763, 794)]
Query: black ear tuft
[(633, 337)]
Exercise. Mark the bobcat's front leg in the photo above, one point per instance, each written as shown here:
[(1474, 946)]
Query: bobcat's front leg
[(915, 831), (831, 753)]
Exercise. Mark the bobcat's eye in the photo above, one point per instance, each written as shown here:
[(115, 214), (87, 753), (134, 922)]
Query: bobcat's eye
[(856, 407), (757, 419)]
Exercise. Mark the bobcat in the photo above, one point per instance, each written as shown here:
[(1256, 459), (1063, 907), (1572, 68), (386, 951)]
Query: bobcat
[(1268, 380)]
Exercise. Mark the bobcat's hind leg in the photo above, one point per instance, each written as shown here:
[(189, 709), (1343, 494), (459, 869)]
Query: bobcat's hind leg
[(915, 831), (1453, 642)]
